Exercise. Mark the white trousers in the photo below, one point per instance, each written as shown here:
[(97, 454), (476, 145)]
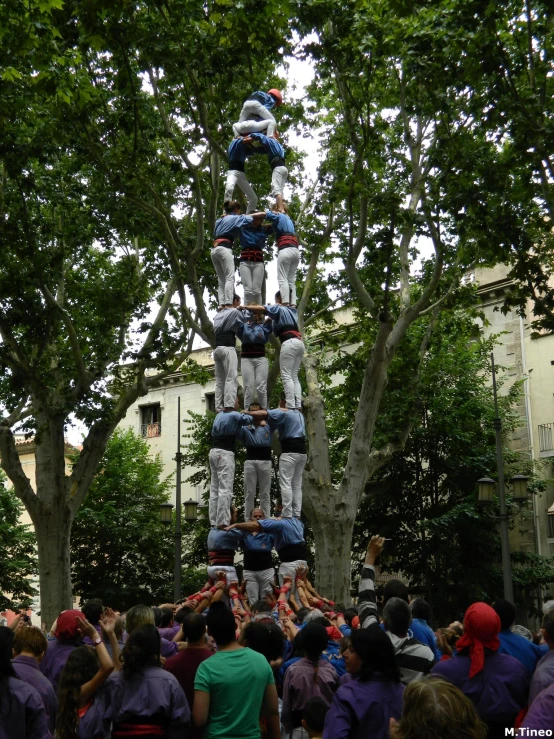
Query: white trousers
[(226, 367), (231, 573), (224, 264), (290, 359), (254, 377), (289, 568), (279, 178), (258, 583), (222, 469), (252, 277), (291, 467), (287, 264), (238, 178), (251, 110), (257, 473)]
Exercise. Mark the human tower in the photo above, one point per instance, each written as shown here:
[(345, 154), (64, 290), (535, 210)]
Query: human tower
[(253, 323)]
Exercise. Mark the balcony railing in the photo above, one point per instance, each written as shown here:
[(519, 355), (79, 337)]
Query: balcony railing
[(545, 437), (149, 430)]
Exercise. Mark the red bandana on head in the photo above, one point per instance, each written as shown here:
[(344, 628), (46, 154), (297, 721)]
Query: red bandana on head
[(481, 627)]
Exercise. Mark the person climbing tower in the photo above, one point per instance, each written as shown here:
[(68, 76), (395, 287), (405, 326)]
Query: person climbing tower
[(256, 115)]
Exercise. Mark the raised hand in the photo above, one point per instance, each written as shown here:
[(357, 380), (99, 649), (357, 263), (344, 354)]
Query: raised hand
[(86, 628), (108, 622), (374, 549)]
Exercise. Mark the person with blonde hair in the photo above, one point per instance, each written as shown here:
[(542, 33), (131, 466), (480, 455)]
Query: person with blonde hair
[(139, 616), (435, 708)]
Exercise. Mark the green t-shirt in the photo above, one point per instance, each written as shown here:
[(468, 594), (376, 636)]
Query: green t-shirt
[(236, 682)]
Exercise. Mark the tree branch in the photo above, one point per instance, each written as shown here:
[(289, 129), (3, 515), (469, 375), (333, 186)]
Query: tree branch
[(11, 464)]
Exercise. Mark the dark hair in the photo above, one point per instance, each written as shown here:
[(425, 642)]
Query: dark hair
[(182, 613), (548, 623), (157, 616), (81, 666), (92, 610), (506, 612), (421, 609), (349, 615), (302, 613), (321, 620), (166, 617), (221, 623), (314, 714), (395, 589), (266, 639), (235, 297), (230, 206), (141, 650), (30, 639), (278, 295), (261, 606), (194, 627), (397, 616), (6, 668), (375, 649), (314, 640)]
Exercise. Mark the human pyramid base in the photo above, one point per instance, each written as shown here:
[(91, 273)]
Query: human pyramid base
[(258, 660)]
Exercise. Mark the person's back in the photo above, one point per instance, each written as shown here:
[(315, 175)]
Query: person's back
[(67, 638), (513, 644), (232, 686), (413, 658), (540, 716), (543, 677), (143, 694), (370, 705), (29, 647)]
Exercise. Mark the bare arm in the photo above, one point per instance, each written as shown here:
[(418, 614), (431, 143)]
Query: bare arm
[(251, 526), (200, 708), (270, 709), (106, 664), (108, 627), (253, 308)]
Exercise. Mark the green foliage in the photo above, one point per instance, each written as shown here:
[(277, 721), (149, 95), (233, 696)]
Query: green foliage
[(120, 550), (18, 563)]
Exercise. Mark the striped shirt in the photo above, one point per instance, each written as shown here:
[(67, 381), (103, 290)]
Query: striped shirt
[(229, 319)]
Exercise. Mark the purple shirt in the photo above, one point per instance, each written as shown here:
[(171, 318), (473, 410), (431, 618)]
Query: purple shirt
[(498, 692), (543, 677), (153, 692), (27, 669), (541, 713), (94, 725), (302, 682), (363, 709), (169, 632), (22, 714), (168, 648), (55, 658)]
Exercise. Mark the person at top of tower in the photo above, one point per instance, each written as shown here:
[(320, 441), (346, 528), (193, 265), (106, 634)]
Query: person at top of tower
[(256, 113)]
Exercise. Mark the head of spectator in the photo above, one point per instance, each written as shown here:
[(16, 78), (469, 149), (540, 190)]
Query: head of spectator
[(481, 629), (92, 610), (436, 708), (301, 614), (81, 666), (314, 641), (421, 610), (166, 618), (313, 717), (370, 652), (261, 610), (548, 628), (397, 616), (194, 629), (220, 623), (30, 642), (506, 612), (395, 589), (157, 616), (446, 640), (547, 605), (182, 613), (141, 650), (522, 631), (312, 615), (343, 645), (350, 614), (264, 638), (138, 616), (6, 668), (67, 626)]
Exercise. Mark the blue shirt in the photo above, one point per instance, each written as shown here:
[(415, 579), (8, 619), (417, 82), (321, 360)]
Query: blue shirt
[(521, 648), (285, 532), (228, 226), (261, 542), (280, 223), (262, 144), (289, 424), (282, 316), (267, 100), (424, 633), (230, 423), (256, 435), (254, 237), (219, 539), (254, 333), (238, 151)]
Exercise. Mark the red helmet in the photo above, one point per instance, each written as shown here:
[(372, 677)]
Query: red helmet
[(277, 95)]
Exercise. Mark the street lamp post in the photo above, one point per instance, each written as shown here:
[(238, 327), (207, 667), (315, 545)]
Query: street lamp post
[(503, 516), (178, 532)]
